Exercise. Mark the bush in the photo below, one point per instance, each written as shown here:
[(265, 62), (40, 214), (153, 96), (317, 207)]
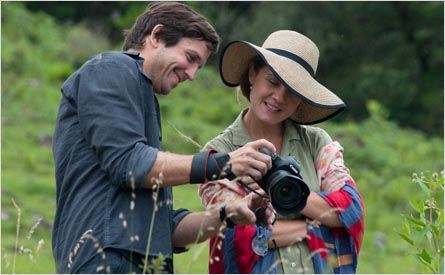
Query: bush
[(423, 229)]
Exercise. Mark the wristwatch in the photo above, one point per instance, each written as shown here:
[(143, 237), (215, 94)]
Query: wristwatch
[(223, 217)]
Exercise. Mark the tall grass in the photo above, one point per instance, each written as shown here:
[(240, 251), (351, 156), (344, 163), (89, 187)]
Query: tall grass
[(22, 248), (19, 215)]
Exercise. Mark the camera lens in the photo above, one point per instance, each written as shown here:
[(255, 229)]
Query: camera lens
[(288, 193)]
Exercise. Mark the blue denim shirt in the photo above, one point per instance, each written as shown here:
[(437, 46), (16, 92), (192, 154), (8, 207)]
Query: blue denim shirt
[(107, 136)]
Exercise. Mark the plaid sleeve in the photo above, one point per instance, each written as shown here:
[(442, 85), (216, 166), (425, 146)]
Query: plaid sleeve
[(347, 201), (350, 209), (338, 248)]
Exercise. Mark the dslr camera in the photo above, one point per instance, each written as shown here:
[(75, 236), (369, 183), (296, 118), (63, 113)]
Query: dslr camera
[(284, 184)]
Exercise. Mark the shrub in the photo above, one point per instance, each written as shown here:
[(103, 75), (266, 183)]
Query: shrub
[(423, 228)]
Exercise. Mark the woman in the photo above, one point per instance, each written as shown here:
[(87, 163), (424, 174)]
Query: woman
[(324, 237)]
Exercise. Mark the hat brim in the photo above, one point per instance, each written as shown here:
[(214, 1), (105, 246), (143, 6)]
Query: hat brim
[(318, 102)]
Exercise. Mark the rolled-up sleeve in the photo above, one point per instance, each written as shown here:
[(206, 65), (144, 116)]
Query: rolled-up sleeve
[(178, 215), (111, 118)]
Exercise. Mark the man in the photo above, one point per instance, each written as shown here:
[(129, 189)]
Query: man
[(114, 197)]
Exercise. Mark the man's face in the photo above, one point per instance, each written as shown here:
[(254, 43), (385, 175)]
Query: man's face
[(173, 65)]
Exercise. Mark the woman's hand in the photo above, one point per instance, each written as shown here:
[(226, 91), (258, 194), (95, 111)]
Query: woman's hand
[(334, 180), (288, 232)]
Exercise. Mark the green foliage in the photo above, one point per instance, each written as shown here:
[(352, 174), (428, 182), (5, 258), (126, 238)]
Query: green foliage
[(381, 157), (21, 33), (199, 110), (156, 266), (84, 43), (388, 51), (36, 59), (423, 229)]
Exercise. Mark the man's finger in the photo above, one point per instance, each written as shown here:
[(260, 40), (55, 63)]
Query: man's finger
[(263, 143), (253, 173), (258, 198), (248, 215), (255, 186), (270, 217), (258, 165), (262, 158)]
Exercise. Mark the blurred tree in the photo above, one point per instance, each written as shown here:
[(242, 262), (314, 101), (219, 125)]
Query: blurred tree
[(388, 51), (391, 51), (99, 16)]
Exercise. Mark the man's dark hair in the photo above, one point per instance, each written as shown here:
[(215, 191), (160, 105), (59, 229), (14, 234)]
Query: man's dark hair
[(178, 21)]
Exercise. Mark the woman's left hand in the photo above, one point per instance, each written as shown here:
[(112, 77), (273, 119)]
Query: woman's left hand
[(334, 181)]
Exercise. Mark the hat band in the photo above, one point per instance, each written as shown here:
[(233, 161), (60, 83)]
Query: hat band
[(294, 58)]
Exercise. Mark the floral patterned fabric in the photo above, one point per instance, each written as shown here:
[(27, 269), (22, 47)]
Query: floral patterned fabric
[(332, 249)]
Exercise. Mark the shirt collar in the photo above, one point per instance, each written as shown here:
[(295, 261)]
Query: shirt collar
[(290, 131), (134, 54), (241, 136), (139, 60)]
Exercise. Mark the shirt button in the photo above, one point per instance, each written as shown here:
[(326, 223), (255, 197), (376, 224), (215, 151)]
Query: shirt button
[(293, 264)]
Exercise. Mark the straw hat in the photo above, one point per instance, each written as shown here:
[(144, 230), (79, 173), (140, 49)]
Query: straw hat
[(293, 58)]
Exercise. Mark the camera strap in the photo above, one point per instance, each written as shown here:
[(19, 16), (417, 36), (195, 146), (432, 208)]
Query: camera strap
[(199, 164), (210, 165), (246, 185), (219, 166)]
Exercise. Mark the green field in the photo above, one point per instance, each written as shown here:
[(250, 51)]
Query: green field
[(381, 155)]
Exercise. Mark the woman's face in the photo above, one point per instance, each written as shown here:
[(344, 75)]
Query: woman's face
[(270, 101)]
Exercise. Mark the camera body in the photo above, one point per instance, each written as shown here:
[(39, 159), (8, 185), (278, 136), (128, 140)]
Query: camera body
[(284, 184)]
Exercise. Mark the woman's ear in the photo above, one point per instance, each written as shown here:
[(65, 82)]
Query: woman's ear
[(153, 38)]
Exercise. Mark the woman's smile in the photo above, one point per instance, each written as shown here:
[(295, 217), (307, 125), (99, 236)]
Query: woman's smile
[(271, 107)]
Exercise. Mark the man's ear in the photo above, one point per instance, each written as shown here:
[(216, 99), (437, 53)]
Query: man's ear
[(153, 38)]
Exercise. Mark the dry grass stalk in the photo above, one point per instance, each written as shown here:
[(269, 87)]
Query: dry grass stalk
[(7, 259), (187, 138), (156, 186), (39, 246), (331, 211), (133, 238), (314, 223), (165, 202), (73, 253), (33, 228), (274, 264), (133, 191), (25, 250), (22, 249), (197, 254), (19, 215), (198, 236), (124, 221)]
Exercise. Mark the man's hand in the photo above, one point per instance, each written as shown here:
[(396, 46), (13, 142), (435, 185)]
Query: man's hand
[(248, 161), (242, 211), (199, 226)]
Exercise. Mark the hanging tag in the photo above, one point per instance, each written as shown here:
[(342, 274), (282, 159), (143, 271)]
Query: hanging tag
[(259, 242)]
